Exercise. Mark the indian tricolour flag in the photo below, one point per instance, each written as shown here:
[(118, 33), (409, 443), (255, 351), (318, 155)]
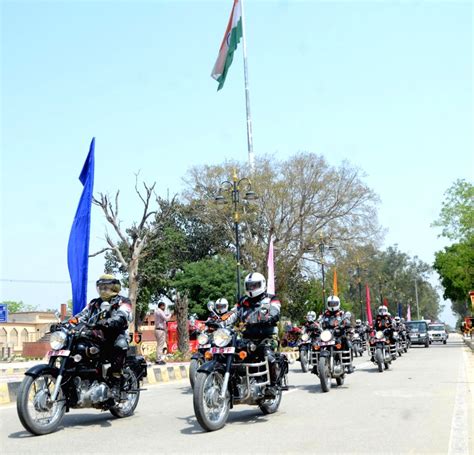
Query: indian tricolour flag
[(232, 36)]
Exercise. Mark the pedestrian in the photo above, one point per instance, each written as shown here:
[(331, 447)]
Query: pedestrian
[(161, 318)]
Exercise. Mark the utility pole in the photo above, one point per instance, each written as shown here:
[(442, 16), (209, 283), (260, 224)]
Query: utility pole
[(416, 297)]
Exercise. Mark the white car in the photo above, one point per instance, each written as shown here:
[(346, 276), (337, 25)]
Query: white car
[(437, 332)]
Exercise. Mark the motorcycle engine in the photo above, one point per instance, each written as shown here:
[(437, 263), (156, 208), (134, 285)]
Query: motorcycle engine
[(90, 395)]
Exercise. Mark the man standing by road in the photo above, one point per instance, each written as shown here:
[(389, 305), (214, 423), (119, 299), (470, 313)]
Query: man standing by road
[(161, 318)]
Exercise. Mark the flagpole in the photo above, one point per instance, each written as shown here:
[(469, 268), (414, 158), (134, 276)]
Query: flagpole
[(247, 94)]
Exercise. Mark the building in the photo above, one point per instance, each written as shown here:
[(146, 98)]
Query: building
[(22, 328)]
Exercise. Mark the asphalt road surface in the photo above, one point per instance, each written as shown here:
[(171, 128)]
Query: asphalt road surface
[(423, 404)]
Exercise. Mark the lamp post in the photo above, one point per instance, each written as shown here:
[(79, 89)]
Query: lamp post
[(380, 290), (322, 246), (234, 187), (360, 289), (416, 297)]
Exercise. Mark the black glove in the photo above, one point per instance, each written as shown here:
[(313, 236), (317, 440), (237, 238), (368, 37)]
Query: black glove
[(103, 323)]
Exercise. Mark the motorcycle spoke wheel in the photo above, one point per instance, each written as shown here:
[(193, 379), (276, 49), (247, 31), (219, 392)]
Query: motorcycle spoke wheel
[(37, 413), (126, 406)]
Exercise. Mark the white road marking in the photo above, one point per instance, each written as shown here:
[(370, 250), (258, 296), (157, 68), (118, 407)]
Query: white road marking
[(458, 440)]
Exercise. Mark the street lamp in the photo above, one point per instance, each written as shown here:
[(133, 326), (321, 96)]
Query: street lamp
[(234, 188), (416, 297), (359, 282), (322, 247)]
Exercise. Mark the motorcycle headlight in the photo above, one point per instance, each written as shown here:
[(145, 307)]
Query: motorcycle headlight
[(379, 335), (57, 340), (356, 335), (203, 338), (326, 335), (304, 337), (222, 337)]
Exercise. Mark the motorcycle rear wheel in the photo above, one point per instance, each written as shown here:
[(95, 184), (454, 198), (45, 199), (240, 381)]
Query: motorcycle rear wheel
[(210, 410), (126, 408), (269, 406), (324, 374), (37, 414), (379, 360)]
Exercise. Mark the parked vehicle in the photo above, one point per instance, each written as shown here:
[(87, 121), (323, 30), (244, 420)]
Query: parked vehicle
[(380, 350), (437, 332), (76, 377), (418, 333)]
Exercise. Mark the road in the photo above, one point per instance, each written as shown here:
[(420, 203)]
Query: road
[(423, 404)]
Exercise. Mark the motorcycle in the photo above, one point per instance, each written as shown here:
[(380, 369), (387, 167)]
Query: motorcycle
[(304, 346), (357, 344), (204, 343), (76, 377), (331, 360), (380, 350), (228, 379)]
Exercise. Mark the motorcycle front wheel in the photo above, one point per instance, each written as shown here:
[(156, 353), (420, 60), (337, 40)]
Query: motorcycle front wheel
[(126, 407), (193, 367), (304, 360), (210, 409), (379, 359), (38, 414), (324, 374)]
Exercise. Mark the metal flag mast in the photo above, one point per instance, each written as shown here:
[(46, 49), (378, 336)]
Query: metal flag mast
[(247, 94)]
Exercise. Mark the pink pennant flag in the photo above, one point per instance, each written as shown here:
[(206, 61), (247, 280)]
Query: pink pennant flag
[(367, 303), (408, 313), (271, 270)]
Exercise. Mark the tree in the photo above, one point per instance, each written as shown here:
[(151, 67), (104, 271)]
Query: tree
[(129, 249), (207, 279), (299, 198), (457, 212), (455, 264), (18, 307)]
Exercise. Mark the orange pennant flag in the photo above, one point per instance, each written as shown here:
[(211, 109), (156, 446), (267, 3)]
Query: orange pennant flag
[(334, 283)]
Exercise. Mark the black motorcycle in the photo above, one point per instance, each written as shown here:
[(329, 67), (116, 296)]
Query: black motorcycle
[(305, 344), (332, 360), (76, 377), (380, 350), (228, 378)]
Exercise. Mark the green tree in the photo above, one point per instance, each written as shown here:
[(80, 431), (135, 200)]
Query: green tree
[(207, 279), (18, 307), (455, 264)]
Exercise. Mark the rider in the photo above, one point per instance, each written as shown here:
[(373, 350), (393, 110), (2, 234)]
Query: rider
[(260, 312), (114, 313), (383, 322), (311, 324), (337, 319)]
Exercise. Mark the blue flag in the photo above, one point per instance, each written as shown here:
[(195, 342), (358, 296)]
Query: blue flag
[(78, 246), (399, 309)]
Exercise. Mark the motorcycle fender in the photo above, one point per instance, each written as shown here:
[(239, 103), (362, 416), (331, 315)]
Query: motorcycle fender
[(325, 353), (210, 366), (40, 369)]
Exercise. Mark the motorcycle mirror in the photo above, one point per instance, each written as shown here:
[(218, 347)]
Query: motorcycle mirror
[(210, 306)]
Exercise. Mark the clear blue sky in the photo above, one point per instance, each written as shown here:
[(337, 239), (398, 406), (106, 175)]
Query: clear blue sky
[(386, 85)]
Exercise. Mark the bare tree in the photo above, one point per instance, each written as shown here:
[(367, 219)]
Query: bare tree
[(181, 311), (130, 245)]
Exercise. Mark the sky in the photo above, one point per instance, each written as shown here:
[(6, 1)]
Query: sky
[(386, 85)]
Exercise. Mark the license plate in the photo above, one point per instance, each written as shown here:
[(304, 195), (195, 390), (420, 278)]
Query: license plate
[(60, 353), (327, 343), (229, 350)]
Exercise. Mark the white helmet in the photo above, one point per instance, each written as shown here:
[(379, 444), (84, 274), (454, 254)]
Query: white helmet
[(382, 310), (311, 316), (333, 303), (221, 306), (397, 319), (358, 322), (255, 284)]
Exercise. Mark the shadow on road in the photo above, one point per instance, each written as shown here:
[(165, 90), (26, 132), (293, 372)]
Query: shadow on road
[(244, 417), (77, 421)]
